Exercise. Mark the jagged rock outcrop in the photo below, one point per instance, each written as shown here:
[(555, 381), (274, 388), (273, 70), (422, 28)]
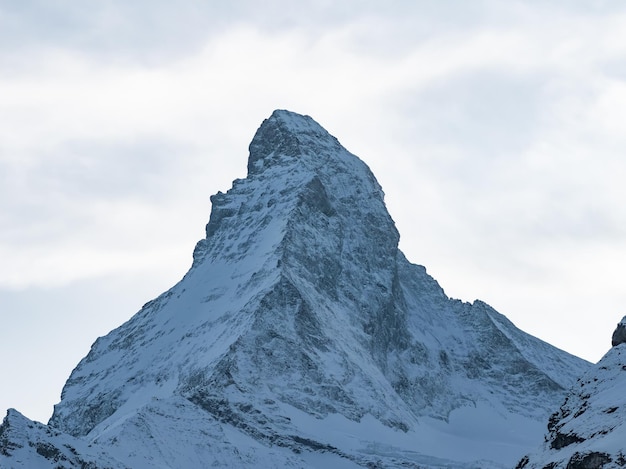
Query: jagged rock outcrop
[(619, 335), (588, 431), (27, 444), (302, 337)]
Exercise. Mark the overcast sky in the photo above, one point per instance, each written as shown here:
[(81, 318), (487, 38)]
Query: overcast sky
[(496, 128)]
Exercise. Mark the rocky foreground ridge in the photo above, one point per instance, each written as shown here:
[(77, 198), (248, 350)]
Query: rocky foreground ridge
[(301, 337), (588, 431)]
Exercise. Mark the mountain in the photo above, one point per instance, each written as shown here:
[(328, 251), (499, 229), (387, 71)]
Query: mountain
[(588, 431), (302, 337)]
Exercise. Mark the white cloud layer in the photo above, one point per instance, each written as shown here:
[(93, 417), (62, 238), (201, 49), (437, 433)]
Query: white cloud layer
[(495, 129)]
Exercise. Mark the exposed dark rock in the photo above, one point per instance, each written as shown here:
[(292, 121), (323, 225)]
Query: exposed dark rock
[(49, 451), (592, 460), (522, 463), (619, 335), (561, 440)]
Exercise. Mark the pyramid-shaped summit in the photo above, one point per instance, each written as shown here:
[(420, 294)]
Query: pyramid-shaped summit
[(302, 337)]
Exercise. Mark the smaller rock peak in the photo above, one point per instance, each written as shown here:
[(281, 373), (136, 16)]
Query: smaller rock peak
[(287, 133), (619, 335)]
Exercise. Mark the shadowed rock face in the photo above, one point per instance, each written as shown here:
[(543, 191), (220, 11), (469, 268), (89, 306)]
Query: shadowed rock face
[(619, 335)]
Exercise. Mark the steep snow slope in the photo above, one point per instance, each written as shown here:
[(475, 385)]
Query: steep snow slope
[(301, 334), (589, 429)]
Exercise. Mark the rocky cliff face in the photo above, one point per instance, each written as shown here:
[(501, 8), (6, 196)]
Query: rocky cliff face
[(619, 335), (302, 337), (588, 431)]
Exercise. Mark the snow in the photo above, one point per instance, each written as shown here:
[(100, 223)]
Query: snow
[(461, 441), (593, 413)]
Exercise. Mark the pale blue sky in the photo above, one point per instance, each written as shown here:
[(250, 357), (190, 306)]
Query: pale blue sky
[(495, 128)]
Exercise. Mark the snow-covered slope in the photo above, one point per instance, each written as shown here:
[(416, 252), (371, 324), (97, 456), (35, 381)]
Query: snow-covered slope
[(589, 429), (302, 337), (32, 445)]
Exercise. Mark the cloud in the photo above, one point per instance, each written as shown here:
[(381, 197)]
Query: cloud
[(146, 32), (495, 129), (480, 101)]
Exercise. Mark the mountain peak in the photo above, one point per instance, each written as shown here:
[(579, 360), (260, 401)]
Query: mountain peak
[(294, 121), (295, 170), (302, 337), (287, 134)]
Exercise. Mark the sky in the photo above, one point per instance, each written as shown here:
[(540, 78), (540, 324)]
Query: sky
[(496, 130)]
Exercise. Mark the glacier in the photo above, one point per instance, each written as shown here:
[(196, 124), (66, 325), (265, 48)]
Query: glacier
[(302, 337)]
